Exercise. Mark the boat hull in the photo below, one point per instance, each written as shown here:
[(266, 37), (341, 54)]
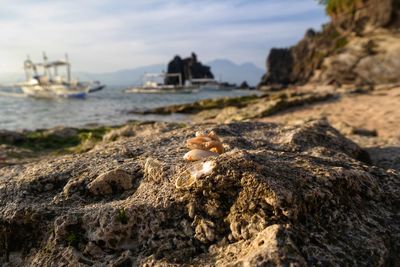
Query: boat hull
[(162, 90), (55, 90)]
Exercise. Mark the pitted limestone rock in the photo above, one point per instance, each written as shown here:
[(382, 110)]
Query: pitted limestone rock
[(279, 195), (105, 182)]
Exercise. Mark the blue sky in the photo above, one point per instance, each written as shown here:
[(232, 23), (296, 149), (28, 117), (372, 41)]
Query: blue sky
[(108, 35)]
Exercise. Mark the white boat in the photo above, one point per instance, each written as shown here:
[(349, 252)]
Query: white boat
[(49, 84), (209, 84), (152, 86)]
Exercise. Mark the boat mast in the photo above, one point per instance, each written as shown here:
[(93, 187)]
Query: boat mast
[(46, 71), (27, 67), (68, 68), (180, 79)]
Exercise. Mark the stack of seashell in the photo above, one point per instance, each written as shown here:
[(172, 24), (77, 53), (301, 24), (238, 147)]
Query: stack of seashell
[(203, 146)]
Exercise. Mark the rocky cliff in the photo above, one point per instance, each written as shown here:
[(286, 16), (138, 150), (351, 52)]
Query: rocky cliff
[(360, 46), (280, 195), (189, 68)]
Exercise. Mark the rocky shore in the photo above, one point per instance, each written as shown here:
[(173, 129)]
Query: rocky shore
[(367, 115), (309, 175), (289, 189), (359, 46)]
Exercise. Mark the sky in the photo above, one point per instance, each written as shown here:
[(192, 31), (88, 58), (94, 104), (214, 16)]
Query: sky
[(109, 35)]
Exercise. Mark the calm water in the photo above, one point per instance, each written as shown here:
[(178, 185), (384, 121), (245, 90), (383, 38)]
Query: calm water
[(108, 107)]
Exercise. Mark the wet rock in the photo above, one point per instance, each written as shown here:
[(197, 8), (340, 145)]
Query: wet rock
[(202, 105), (62, 132), (10, 137)]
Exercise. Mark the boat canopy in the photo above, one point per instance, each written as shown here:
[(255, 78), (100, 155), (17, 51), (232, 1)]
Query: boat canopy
[(31, 68), (164, 75), (203, 80)]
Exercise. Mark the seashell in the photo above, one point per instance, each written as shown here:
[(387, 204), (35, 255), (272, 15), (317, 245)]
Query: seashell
[(197, 154), (215, 146), (198, 142), (189, 176), (206, 169), (199, 133), (209, 142), (214, 136)]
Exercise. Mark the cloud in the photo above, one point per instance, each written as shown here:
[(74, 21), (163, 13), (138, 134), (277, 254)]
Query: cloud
[(106, 35)]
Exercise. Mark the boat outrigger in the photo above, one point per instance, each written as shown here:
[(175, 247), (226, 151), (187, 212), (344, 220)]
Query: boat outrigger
[(151, 86), (49, 84)]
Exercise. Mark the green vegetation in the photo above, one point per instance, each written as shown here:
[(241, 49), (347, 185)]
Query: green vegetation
[(75, 140), (72, 239), (122, 217), (206, 104), (340, 43), (336, 7)]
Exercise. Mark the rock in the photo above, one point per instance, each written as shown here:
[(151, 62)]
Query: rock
[(279, 66), (201, 105), (358, 47), (105, 182), (62, 132), (280, 195), (139, 129), (367, 60), (364, 132), (244, 85), (269, 106), (365, 16), (10, 137), (189, 68)]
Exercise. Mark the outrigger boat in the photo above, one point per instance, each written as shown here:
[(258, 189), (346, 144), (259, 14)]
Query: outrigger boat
[(151, 86), (49, 84), (210, 84)]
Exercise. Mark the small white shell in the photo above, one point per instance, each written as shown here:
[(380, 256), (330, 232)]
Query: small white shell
[(200, 134), (204, 169), (189, 176), (197, 154)]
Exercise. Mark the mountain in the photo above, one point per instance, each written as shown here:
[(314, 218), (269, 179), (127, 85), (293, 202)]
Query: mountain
[(228, 71), (221, 68), (121, 77), (11, 78)]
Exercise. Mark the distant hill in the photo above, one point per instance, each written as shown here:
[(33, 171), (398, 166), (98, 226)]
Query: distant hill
[(11, 78), (221, 68), (121, 77), (236, 73)]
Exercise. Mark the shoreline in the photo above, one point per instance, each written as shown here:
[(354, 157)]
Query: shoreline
[(91, 191), (274, 181), (281, 107)]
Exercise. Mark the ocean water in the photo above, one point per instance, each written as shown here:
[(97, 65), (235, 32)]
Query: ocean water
[(109, 107)]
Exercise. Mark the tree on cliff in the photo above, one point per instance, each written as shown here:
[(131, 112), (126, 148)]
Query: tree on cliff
[(334, 7)]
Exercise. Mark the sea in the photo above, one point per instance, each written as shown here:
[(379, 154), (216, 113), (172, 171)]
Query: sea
[(110, 106)]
